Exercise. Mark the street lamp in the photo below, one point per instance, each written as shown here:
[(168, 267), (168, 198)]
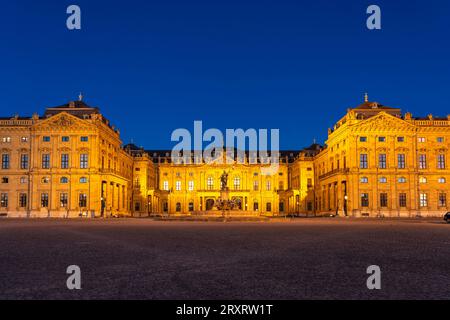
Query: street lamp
[(345, 204)]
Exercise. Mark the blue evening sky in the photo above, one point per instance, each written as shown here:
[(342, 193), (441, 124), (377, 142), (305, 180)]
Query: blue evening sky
[(154, 66)]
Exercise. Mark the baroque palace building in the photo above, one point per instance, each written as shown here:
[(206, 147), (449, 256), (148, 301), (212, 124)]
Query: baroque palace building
[(375, 162)]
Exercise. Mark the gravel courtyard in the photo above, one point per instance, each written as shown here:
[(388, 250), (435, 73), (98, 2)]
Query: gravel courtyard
[(299, 259)]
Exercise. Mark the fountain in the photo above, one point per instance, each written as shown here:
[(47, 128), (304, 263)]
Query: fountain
[(224, 203)]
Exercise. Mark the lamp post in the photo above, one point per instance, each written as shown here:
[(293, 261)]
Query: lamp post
[(345, 204)]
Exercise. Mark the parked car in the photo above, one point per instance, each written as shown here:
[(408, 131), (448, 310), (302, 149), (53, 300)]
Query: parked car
[(447, 217)]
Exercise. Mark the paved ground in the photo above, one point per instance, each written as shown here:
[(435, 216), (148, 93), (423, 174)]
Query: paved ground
[(144, 259)]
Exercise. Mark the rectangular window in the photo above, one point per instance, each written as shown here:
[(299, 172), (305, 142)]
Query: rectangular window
[(6, 139), (268, 206), (309, 183), (83, 161), (402, 200), (422, 161), (362, 139), (46, 161), (364, 200), (166, 185), (191, 185), (210, 183), (5, 161), (421, 139), (82, 200), (65, 139), (64, 161), (382, 161), (63, 200), (268, 185), (381, 139), (423, 200), (401, 162), (24, 139), (4, 200), (44, 200), (22, 200), (178, 185), (441, 161), (84, 139), (440, 139), (363, 163), (46, 139), (255, 185), (400, 139), (23, 161), (442, 200), (5, 180), (383, 200)]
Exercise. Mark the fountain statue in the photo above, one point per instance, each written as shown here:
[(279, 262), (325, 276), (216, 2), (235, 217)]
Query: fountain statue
[(224, 203)]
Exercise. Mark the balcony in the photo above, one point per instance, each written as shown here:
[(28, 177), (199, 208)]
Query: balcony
[(334, 172)]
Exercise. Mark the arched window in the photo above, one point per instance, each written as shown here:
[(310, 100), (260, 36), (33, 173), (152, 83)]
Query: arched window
[(364, 180), (383, 180), (237, 183), (45, 180), (191, 206), (402, 180), (83, 180), (441, 180), (64, 180)]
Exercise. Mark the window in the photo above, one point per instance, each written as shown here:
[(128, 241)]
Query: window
[(401, 162), (441, 161), (45, 180), (137, 206), (24, 139), (364, 199), (6, 139), (441, 180), (442, 202), (22, 200), (383, 180), (5, 180), (363, 164), (309, 183), (191, 185), (402, 180), (64, 161), (23, 180), (4, 200), (82, 200), (280, 185), (23, 161), (255, 206), (5, 161), (422, 161), (281, 206), (383, 200), (423, 200), (381, 139), (166, 185), (268, 185), (46, 138), (44, 200), (440, 139), (255, 185), (268, 206), (400, 139), (178, 207), (83, 161), (191, 206), (309, 206), (421, 139), (402, 200), (84, 139), (46, 161), (422, 180), (210, 183), (237, 183), (362, 139), (178, 185), (83, 180), (63, 200), (65, 139), (382, 161), (64, 180), (364, 180)]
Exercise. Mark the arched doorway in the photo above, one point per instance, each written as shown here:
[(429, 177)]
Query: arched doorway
[(209, 204)]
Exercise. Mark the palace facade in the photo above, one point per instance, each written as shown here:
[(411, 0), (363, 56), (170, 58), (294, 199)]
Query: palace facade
[(71, 161)]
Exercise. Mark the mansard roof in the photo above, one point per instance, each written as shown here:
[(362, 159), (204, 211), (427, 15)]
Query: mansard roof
[(77, 108)]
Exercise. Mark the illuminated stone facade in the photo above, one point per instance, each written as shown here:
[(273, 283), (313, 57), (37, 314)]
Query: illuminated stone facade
[(71, 162)]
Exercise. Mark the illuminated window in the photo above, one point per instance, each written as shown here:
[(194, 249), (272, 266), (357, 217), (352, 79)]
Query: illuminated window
[(363, 162), (441, 180), (191, 185), (442, 201), (82, 200), (422, 161), (421, 139), (64, 161), (402, 200), (255, 185), (83, 161), (422, 180), (237, 183), (364, 199), (441, 161), (210, 183), (4, 200), (423, 200), (166, 185), (63, 199), (44, 200), (401, 161), (178, 185), (46, 161)]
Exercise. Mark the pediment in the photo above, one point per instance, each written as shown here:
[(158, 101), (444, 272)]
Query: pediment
[(383, 122), (63, 122)]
